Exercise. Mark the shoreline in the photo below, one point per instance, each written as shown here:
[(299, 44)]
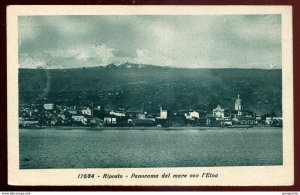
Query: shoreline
[(70, 128)]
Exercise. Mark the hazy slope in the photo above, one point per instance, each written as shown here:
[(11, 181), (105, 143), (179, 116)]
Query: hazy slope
[(130, 85)]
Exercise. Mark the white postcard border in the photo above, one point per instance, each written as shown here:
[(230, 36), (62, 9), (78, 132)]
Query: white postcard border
[(227, 176)]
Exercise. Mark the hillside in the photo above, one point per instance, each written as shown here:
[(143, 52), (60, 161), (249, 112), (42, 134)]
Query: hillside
[(131, 85)]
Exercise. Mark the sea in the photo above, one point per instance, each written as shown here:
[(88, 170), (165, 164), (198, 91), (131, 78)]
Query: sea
[(154, 147)]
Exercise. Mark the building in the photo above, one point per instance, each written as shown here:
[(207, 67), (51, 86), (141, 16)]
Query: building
[(48, 106), (86, 111), (225, 121), (163, 118), (192, 115), (119, 114), (28, 122), (80, 118), (163, 114), (219, 112), (238, 105), (141, 116), (274, 121), (242, 120), (110, 120)]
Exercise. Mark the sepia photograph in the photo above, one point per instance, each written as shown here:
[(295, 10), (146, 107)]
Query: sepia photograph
[(143, 91)]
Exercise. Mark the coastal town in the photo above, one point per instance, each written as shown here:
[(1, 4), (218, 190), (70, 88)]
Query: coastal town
[(50, 114)]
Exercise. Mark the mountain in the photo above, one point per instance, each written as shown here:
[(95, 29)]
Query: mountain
[(131, 85)]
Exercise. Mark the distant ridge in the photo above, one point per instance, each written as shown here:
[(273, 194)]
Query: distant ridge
[(127, 85), (135, 65)]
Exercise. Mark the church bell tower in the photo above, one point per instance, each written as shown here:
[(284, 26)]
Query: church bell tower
[(238, 104)]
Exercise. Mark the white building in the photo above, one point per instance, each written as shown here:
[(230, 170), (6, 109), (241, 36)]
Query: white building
[(80, 118), (163, 114), (86, 110), (269, 120), (192, 115), (48, 106), (119, 114), (238, 105), (141, 116), (110, 120), (219, 112), (27, 122)]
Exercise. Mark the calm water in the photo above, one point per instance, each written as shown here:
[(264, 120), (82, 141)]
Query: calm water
[(48, 148)]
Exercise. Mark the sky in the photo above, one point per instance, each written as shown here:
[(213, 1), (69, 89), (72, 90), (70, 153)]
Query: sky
[(183, 41)]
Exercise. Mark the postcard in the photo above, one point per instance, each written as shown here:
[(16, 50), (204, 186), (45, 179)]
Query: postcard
[(150, 95)]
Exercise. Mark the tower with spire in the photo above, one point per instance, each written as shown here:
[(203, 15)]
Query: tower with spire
[(238, 104)]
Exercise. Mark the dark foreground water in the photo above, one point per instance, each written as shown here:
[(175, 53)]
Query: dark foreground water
[(49, 148)]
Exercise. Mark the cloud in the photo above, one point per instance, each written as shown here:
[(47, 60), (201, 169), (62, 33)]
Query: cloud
[(28, 28), (75, 56), (87, 56), (162, 37), (227, 41), (31, 61), (144, 56)]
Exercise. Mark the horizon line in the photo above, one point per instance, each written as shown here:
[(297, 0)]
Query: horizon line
[(169, 67)]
